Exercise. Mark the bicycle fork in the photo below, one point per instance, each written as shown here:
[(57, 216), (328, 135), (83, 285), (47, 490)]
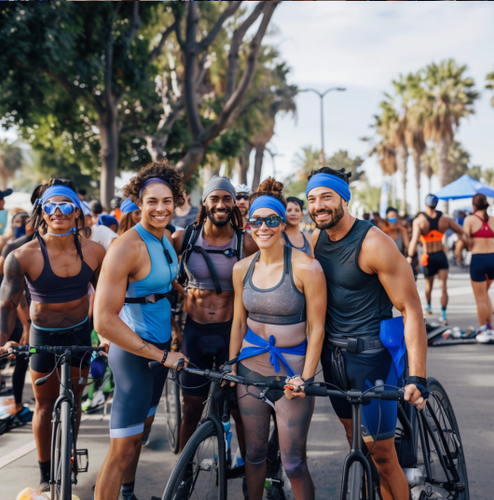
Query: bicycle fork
[(356, 454)]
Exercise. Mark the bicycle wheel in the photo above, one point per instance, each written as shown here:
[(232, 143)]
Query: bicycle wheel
[(173, 414), (442, 448), (62, 487), (200, 473), (356, 482)]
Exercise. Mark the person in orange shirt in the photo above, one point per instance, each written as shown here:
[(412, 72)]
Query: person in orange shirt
[(429, 227)]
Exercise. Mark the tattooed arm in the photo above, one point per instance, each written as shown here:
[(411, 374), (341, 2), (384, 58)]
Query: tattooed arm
[(10, 296)]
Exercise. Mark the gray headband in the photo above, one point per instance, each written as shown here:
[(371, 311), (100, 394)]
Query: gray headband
[(222, 183)]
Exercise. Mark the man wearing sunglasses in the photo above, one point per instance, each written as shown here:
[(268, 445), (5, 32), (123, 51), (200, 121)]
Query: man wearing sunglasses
[(209, 250), (243, 204)]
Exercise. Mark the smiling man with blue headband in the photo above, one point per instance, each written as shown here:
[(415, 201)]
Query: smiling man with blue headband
[(365, 276)]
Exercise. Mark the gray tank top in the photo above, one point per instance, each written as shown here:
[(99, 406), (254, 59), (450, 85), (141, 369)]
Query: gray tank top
[(306, 248), (197, 270), (357, 302), (283, 304), (399, 242)]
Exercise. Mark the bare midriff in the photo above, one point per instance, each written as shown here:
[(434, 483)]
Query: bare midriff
[(62, 315), (206, 306), (482, 245), (433, 246)]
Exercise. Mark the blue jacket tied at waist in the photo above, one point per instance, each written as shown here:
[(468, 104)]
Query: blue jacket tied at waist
[(275, 353)]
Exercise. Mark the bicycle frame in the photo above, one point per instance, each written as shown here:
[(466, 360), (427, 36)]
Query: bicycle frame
[(356, 454)]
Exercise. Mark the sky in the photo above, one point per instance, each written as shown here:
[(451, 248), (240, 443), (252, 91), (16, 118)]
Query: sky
[(363, 47)]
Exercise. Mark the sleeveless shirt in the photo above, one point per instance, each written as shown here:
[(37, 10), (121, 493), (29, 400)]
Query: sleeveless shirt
[(152, 321), (357, 302)]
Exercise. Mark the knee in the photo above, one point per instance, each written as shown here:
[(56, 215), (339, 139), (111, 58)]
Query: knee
[(256, 455), (295, 467), (386, 463), (124, 454), (44, 407)]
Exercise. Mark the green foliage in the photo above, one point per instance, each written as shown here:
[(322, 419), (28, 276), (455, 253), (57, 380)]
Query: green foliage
[(365, 198), (490, 84)]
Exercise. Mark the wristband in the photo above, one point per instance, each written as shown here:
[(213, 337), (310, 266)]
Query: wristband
[(165, 355), (421, 384)]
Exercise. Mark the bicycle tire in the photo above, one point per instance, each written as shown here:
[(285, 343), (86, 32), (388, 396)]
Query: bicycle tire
[(173, 414), (62, 487), (356, 482), (446, 434), (201, 452)]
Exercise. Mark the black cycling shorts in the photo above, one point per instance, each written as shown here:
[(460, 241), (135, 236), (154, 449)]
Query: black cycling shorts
[(437, 262), (362, 370), (202, 344), (482, 267), (79, 335)]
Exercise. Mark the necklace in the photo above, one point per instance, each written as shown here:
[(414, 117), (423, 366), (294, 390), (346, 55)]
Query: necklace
[(65, 234)]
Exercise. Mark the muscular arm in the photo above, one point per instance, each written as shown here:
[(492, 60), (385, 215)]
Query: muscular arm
[(315, 291), (10, 296), (119, 263), (412, 248), (381, 255), (250, 246), (177, 238), (406, 239)]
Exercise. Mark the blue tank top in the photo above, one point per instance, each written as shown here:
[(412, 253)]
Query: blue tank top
[(152, 321)]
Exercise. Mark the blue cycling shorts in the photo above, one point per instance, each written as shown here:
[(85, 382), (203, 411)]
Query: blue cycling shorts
[(137, 392), (379, 417)]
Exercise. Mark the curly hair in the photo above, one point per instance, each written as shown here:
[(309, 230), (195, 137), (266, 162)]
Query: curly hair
[(331, 171), (161, 170), (269, 187), (39, 224)]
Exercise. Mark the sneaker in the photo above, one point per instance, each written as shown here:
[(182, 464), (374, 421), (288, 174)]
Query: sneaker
[(44, 486), (22, 417), (486, 336), (121, 497), (443, 321), (428, 312)]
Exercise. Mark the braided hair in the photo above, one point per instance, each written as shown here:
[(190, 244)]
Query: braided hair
[(39, 224), (236, 220)]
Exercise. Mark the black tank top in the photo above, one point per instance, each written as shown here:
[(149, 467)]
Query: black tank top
[(357, 302)]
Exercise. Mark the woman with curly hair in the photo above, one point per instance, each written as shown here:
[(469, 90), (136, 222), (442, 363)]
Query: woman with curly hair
[(137, 276), (278, 327), (57, 266)]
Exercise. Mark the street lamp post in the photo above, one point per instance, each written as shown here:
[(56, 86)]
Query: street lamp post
[(321, 98)]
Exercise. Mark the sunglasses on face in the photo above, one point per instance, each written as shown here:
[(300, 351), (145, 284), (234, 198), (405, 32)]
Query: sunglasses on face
[(66, 208), (271, 221), (242, 197)]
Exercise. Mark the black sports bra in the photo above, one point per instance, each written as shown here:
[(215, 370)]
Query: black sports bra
[(48, 288)]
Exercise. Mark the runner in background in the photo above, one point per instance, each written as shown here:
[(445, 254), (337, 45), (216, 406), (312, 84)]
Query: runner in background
[(131, 215), (429, 228), (292, 235), (480, 228), (243, 192), (394, 228)]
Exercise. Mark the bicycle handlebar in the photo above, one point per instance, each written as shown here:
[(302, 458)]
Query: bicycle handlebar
[(309, 390), (45, 349)]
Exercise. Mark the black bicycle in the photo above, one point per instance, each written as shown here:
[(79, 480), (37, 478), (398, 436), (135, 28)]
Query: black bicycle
[(66, 460), (207, 463), (428, 444)]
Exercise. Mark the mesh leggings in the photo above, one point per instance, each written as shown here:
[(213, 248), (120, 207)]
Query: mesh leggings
[(293, 420)]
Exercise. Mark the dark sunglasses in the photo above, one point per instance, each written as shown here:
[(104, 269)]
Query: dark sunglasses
[(66, 208), (271, 221), (242, 196)]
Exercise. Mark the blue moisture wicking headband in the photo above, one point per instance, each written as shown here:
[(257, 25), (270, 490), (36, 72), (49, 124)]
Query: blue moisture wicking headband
[(268, 202), (331, 182)]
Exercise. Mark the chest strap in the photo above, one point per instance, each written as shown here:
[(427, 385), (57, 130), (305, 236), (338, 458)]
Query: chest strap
[(355, 345), (151, 299)]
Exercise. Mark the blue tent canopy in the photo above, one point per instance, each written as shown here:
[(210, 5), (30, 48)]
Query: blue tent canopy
[(464, 187)]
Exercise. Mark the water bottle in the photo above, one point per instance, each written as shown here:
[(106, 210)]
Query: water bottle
[(379, 385), (228, 437)]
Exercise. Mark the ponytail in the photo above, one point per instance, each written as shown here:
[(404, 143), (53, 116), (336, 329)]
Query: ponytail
[(479, 202)]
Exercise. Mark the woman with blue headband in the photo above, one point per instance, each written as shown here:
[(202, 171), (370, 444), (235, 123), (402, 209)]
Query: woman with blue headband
[(280, 295), (58, 266), (131, 215), (137, 276)]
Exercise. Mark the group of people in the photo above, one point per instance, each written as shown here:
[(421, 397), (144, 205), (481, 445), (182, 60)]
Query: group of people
[(256, 288)]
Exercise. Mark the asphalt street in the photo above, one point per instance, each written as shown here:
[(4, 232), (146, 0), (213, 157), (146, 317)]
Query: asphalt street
[(466, 371)]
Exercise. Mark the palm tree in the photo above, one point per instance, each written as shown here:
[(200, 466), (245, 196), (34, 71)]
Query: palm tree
[(393, 125), (458, 160), (11, 159), (448, 97), (490, 84), (307, 160), (429, 162)]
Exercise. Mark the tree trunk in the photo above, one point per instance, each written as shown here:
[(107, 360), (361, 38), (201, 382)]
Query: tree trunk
[(156, 147), (108, 132), (442, 148), (207, 173), (401, 160), (258, 165), (243, 165), (3, 173), (416, 161)]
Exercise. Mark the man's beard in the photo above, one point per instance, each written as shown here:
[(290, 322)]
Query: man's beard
[(218, 223), (336, 216), (244, 211)]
